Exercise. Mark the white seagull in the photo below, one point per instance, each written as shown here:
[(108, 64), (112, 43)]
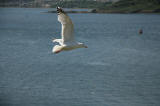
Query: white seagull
[(67, 42)]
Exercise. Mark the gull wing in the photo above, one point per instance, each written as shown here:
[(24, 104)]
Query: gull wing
[(67, 26)]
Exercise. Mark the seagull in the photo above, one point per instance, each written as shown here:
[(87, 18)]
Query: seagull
[(67, 42)]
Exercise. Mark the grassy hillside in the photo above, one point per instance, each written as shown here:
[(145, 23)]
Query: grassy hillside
[(122, 6), (79, 4), (132, 6)]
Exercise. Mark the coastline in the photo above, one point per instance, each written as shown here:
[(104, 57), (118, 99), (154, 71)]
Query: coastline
[(73, 10), (110, 11)]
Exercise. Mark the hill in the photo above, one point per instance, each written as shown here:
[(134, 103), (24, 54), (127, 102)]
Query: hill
[(98, 6), (131, 6), (54, 3)]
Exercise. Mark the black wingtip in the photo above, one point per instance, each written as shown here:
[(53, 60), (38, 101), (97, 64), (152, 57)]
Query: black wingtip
[(59, 10)]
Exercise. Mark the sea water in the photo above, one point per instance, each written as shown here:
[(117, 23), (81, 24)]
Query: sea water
[(120, 67)]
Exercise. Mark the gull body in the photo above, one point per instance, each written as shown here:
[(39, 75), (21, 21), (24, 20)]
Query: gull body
[(67, 41)]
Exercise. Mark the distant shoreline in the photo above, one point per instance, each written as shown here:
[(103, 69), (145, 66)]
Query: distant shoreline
[(96, 11), (108, 11)]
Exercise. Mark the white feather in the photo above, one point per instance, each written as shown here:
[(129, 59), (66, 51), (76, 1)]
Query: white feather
[(67, 33)]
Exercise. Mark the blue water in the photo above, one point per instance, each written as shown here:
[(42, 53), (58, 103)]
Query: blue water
[(119, 67)]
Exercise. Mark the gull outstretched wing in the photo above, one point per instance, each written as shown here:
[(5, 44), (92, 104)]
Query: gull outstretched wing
[(67, 26)]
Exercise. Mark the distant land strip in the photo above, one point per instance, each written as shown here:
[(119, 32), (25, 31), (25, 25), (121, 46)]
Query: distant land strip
[(109, 11)]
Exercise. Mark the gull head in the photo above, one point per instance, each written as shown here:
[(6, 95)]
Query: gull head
[(57, 49)]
